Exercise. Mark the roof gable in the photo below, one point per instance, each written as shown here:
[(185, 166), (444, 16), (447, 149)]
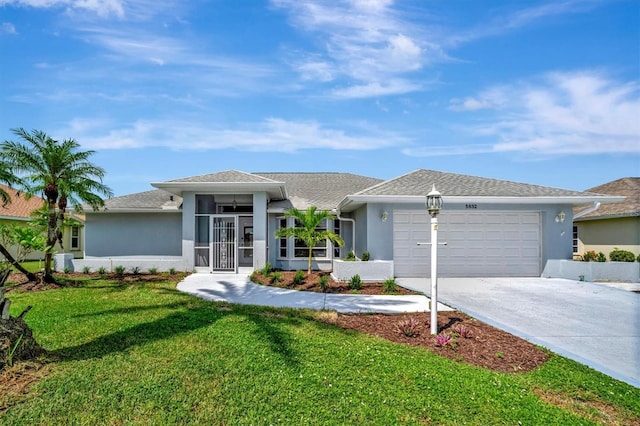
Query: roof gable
[(228, 176), (19, 207), (629, 187), (420, 182)]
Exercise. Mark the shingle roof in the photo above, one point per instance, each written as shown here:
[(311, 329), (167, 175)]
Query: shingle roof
[(419, 183), (628, 187), (228, 176), (323, 190), (156, 199), (20, 207)]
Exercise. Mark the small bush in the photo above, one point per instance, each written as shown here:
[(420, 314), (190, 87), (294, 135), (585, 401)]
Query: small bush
[(589, 256), (444, 339), (324, 282), (622, 256), (350, 257), (276, 277), (298, 278), (254, 277), (366, 256), (66, 270), (638, 259), (135, 270), (601, 257), (172, 271), (389, 285), (462, 331), (266, 269), (86, 270), (119, 270), (102, 270), (355, 283), (153, 270), (408, 328)]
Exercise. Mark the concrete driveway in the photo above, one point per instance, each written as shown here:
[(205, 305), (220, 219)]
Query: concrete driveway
[(591, 323)]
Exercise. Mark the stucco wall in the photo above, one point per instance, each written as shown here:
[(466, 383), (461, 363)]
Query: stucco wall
[(556, 237), (131, 234), (607, 234)]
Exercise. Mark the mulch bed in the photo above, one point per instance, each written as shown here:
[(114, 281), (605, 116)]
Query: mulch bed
[(486, 345), (311, 283)]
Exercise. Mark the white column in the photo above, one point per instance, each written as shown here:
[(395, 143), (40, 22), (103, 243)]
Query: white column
[(434, 275), (260, 236)]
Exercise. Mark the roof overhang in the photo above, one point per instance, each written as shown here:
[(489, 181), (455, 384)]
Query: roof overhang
[(275, 190), (352, 202), (133, 210)]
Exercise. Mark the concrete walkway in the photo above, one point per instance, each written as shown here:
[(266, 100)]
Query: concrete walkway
[(238, 289), (594, 324)]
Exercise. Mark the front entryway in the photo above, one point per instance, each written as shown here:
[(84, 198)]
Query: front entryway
[(227, 245)]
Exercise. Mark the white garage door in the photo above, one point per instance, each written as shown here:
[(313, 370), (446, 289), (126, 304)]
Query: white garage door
[(490, 244)]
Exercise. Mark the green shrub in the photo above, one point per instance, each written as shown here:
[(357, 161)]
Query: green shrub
[(254, 277), (389, 285), (298, 278), (266, 269), (135, 270), (276, 277), (350, 257), (601, 257), (366, 256), (102, 270), (324, 282), (355, 283), (638, 259), (66, 270), (589, 256), (86, 270), (172, 271), (119, 270), (622, 256)]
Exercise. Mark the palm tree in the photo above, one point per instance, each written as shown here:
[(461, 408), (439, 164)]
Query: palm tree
[(309, 220), (62, 174)]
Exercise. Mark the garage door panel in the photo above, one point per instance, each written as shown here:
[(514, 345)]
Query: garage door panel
[(479, 244)]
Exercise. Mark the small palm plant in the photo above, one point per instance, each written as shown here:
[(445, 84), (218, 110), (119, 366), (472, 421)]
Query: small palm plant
[(309, 220)]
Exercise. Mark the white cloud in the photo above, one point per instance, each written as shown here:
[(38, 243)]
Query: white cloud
[(393, 87), (272, 134), (102, 8), (564, 113), (365, 42), (8, 28)]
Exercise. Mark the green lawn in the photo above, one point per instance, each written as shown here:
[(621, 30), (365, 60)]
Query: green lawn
[(147, 354)]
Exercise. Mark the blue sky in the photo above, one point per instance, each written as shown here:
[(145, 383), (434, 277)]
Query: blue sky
[(542, 92)]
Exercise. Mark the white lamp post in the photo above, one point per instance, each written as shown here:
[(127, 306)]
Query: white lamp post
[(434, 204)]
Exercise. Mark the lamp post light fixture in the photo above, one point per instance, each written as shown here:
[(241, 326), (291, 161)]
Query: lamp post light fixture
[(434, 204)]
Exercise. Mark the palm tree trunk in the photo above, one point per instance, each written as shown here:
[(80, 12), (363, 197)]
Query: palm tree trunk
[(51, 242), (30, 275), (310, 260)]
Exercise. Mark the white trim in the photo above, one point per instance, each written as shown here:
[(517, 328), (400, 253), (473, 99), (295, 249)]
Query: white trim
[(277, 188), (356, 200)]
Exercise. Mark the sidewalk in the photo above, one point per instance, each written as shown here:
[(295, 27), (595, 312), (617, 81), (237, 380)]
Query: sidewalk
[(237, 288)]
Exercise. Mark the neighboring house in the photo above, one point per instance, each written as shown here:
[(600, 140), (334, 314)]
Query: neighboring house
[(227, 220), (606, 226), (19, 212)]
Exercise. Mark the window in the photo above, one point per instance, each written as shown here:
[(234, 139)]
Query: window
[(302, 251), (575, 239), (336, 230), (75, 237), (282, 242)]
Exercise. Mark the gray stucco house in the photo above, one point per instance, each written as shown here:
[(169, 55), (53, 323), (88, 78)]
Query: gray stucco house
[(227, 220)]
